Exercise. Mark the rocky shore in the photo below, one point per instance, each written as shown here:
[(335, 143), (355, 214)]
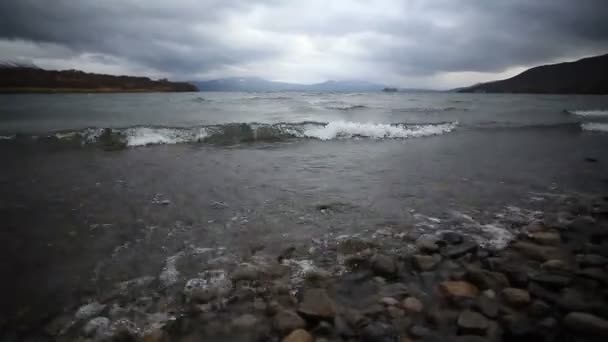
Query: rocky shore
[(548, 284)]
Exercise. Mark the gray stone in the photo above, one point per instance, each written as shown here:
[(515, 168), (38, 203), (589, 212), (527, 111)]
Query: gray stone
[(452, 238), (389, 301), (459, 250), (594, 273), (586, 324), (286, 321), (470, 322), (384, 265), (95, 325), (317, 303), (487, 306), (427, 244), (426, 262), (591, 260), (90, 310), (377, 332), (419, 331), (245, 322), (554, 281), (556, 265), (538, 308), (245, 272)]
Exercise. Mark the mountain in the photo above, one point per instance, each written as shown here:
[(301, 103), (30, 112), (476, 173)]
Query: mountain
[(255, 84), (585, 76), (30, 79)]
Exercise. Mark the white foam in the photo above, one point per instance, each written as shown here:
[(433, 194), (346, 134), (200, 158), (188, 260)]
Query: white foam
[(595, 126), (141, 136), (589, 112), (345, 129)]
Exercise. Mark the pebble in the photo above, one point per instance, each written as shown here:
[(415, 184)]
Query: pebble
[(427, 244), (458, 289), (245, 322), (299, 335), (317, 303), (546, 238), (586, 323), (516, 297), (412, 305), (389, 301), (383, 265), (426, 262), (288, 320), (470, 322), (460, 250)]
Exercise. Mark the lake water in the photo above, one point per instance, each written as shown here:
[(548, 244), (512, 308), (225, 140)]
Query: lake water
[(235, 172)]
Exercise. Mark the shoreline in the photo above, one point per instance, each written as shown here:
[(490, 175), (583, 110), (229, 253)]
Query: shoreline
[(546, 285)]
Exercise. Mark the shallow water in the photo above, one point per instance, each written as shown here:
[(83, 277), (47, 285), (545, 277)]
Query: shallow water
[(76, 219)]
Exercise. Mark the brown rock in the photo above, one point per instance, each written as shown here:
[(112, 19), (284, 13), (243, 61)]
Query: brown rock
[(537, 252), (299, 335), (412, 305), (516, 297), (316, 303), (458, 289), (485, 279)]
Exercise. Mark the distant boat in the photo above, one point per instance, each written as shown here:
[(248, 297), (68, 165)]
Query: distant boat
[(390, 90)]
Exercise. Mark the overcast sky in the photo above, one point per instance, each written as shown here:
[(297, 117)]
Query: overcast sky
[(409, 43)]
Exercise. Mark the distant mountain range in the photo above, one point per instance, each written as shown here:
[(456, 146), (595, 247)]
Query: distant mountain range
[(585, 76), (255, 84), (16, 78)]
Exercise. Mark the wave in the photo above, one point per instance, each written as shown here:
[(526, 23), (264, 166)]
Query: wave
[(595, 126), (428, 109), (344, 129), (588, 112), (235, 133), (345, 107)]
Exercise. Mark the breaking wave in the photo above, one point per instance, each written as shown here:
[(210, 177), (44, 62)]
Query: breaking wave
[(595, 126), (236, 133), (588, 112)]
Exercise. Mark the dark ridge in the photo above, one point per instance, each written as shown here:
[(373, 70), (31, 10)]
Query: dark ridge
[(585, 76), (21, 78)]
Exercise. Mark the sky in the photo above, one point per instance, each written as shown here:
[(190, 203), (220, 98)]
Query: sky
[(437, 44)]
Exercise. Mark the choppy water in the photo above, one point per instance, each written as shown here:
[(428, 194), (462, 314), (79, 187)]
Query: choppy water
[(234, 172)]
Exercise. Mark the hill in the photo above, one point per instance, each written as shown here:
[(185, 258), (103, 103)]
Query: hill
[(585, 76), (30, 79), (255, 84)]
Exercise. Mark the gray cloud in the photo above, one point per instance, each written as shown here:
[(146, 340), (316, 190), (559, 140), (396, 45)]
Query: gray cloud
[(404, 42)]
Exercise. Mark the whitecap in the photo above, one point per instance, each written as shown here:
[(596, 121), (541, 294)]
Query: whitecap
[(346, 129), (595, 126), (595, 112)]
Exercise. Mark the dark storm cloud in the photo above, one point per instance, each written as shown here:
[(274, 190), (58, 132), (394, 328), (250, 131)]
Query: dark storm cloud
[(304, 40)]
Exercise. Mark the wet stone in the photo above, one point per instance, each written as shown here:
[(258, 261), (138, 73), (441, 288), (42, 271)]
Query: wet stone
[(427, 244), (554, 281), (389, 301), (286, 321), (486, 279), (516, 297), (317, 303), (452, 238), (591, 260), (299, 335), (412, 305), (426, 262), (546, 238), (384, 265), (470, 322), (458, 289), (487, 306), (460, 250), (95, 325), (586, 324), (419, 331), (89, 310)]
